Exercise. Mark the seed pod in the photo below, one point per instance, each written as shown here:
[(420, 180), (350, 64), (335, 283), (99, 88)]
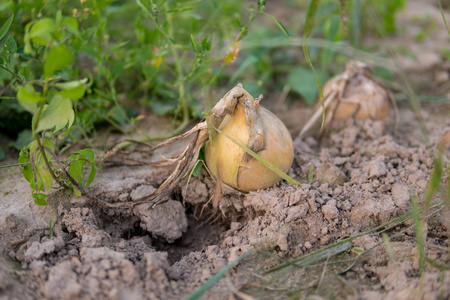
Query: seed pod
[(352, 94), (258, 129)]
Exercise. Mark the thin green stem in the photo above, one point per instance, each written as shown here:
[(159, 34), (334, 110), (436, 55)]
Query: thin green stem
[(116, 102), (180, 76), (114, 124), (11, 72), (26, 163), (245, 27), (36, 134)]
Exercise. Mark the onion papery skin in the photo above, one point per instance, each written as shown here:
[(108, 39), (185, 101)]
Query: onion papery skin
[(225, 159)]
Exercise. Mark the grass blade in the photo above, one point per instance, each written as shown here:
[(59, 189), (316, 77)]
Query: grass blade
[(208, 284), (443, 16), (281, 26), (419, 232), (309, 24), (379, 230), (3, 179), (328, 253), (6, 26)]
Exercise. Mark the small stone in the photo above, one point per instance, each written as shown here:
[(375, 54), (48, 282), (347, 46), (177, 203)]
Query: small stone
[(330, 174)]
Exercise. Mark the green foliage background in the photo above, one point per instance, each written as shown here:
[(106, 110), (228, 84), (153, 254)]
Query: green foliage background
[(68, 67)]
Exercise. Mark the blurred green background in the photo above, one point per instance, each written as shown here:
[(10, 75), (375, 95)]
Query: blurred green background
[(172, 58)]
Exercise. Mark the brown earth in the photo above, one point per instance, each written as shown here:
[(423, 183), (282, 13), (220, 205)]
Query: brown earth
[(362, 178)]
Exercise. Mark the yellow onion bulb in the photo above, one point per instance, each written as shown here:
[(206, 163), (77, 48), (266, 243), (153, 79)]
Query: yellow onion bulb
[(259, 130)]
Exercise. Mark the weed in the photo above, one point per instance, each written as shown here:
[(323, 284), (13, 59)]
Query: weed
[(73, 66)]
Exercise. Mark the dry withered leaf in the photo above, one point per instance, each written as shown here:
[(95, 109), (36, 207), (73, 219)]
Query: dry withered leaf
[(352, 94)]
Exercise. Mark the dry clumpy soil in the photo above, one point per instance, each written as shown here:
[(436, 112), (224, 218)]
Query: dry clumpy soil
[(362, 175)]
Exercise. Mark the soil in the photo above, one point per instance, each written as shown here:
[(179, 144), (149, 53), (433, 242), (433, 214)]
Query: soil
[(364, 174)]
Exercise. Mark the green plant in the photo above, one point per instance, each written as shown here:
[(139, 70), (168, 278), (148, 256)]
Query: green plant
[(77, 67)]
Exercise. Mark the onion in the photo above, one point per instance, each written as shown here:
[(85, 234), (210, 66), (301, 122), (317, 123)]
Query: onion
[(258, 129), (362, 97), (239, 117), (352, 94)]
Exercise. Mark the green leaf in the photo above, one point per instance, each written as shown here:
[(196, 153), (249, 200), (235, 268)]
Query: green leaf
[(76, 192), (91, 176), (207, 42), (197, 169), (357, 250), (10, 45), (76, 170), (4, 32), (162, 108), (28, 98), (49, 144), (39, 198), (23, 155), (71, 84), (302, 81), (434, 180), (178, 10), (23, 139), (281, 26), (195, 45), (58, 58), (87, 153), (45, 177), (40, 32), (6, 26), (74, 93), (71, 24), (101, 28), (27, 172), (58, 114)]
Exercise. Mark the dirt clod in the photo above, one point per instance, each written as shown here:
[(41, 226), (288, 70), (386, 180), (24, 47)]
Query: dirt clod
[(167, 220), (37, 250)]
